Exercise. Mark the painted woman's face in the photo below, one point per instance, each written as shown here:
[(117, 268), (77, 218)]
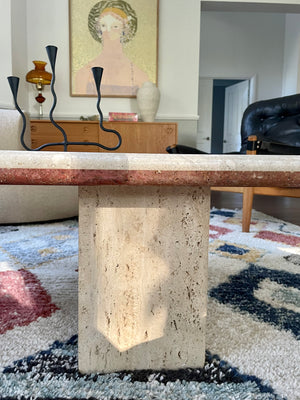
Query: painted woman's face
[(110, 26)]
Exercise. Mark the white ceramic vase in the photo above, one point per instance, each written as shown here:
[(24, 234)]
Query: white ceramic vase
[(148, 97)]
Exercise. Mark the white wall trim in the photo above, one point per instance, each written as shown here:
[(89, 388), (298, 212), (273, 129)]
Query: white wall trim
[(160, 117), (184, 117)]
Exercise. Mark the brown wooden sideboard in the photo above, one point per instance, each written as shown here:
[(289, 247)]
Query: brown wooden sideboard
[(137, 137)]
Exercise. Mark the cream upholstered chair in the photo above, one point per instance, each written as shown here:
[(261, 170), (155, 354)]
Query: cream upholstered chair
[(30, 203)]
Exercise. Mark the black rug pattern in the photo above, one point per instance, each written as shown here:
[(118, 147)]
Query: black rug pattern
[(55, 373)]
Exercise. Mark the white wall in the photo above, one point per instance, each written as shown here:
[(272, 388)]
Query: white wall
[(291, 74), (6, 51), (241, 45), (233, 45), (19, 48), (13, 47), (47, 23)]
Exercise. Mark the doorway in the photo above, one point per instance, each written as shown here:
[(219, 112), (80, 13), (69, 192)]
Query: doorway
[(221, 106)]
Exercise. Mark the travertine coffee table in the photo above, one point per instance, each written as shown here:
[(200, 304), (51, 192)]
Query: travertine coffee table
[(143, 246)]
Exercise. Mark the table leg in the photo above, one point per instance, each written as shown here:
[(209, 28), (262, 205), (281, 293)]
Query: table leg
[(143, 253)]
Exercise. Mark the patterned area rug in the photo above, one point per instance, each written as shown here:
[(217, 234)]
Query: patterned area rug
[(253, 318)]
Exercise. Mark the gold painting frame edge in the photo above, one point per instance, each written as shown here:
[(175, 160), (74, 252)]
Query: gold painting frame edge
[(71, 49)]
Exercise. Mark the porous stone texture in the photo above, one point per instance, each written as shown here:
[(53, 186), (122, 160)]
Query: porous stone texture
[(143, 254), (62, 168)]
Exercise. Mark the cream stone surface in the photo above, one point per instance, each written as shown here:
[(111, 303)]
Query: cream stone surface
[(143, 254), (152, 162)]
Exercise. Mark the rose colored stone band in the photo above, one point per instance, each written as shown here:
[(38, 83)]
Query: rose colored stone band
[(88, 169), (90, 177)]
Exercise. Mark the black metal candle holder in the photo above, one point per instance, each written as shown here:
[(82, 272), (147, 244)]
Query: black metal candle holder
[(97, 72)]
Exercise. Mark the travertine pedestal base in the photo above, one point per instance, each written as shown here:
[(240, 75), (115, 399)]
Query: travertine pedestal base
[(142, 277)]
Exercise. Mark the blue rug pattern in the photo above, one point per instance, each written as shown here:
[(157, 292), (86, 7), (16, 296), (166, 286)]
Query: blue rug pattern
[(253, 318)]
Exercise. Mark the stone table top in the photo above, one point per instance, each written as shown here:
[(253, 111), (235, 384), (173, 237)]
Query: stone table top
[(70, 168)]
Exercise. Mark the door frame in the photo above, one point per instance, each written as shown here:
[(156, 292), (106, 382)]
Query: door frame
[(252, 91), (236, 102)]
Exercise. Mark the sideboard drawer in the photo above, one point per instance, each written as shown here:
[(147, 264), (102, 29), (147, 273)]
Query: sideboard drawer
[(44, 132), (137, 137)]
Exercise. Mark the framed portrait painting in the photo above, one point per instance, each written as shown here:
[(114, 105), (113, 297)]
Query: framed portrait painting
[(121, 36)]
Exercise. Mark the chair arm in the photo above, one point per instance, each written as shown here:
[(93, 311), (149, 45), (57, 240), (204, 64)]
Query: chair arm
[(11, 128)]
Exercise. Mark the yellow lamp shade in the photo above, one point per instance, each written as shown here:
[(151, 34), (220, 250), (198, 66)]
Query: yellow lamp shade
[(39, 75)]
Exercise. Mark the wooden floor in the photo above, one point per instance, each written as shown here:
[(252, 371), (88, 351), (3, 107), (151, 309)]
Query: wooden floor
[(285, 208)]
